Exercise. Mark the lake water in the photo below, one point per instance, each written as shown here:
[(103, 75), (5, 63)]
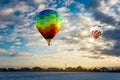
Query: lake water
[(58, 76)]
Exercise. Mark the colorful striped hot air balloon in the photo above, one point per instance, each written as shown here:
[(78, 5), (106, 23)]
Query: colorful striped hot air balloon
[(48, 23), (96, 31)]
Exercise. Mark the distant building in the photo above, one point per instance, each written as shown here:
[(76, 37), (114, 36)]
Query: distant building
[(104, 69), (79, 68), (53, 69), (25, 69), (37, 69), (70, 69), (11, 69), (3, 69)]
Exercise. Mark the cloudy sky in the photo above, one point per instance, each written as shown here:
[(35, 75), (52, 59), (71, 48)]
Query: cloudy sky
[(22, 45)]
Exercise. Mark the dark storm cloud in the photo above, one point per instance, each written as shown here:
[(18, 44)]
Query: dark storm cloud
[(94, 57), (113, 35), (112, 52), (70, 40), (109, 34), (116, 8), (104, 18), (21, 54), (93, 4), (70, 50), (10, 19)]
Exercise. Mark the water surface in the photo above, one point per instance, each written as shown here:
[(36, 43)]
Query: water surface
[(59, 76)]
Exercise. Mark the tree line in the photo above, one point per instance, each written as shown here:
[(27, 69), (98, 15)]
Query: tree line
[(55, 69)]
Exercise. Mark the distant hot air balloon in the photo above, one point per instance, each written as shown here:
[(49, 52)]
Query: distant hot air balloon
[(48, 23), (96, 31)]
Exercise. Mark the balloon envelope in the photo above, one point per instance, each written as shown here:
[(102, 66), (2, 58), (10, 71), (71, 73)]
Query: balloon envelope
[(96, 31), (48, 23)]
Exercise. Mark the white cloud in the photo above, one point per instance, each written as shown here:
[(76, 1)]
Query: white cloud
[(64, 12), (3, 26), (111, 2), (23, 7), (104, 7), (39, 1), (3, 51), (18, 43), (107, 7), (6, 11), (12, 47), (62, 9), (1, 37), (67, 3), (74, 33), (74, 41), (41, 7)]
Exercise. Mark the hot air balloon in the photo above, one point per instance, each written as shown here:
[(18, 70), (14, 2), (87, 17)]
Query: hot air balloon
[(48, 23), (96, 31)]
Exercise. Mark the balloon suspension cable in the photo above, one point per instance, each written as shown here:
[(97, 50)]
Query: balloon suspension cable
[(48, 40), (48, 44)]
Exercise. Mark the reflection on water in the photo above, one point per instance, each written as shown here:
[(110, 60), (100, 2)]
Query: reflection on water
[(58, 76)]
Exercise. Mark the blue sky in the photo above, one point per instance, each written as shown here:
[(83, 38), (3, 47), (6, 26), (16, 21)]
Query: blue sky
[(22, 45)]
